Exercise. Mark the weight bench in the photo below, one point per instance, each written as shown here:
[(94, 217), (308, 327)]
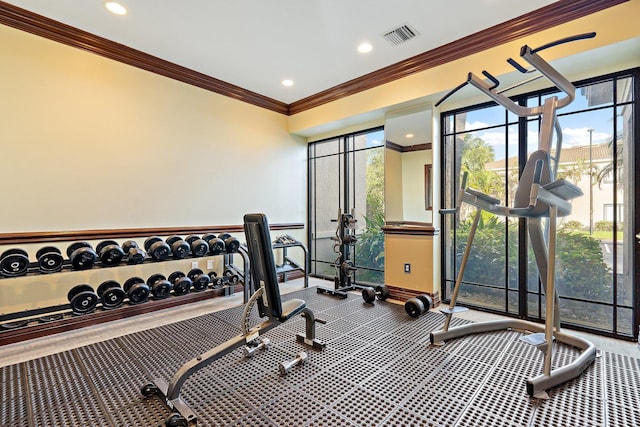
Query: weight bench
[(266, 293)]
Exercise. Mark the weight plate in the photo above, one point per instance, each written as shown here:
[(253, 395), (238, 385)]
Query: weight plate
[(50, 259), (208, 237), (194, 272), (113, 297), (182, 286), (83, 300), (175, 275), (414, 307), (232, 244), (77, 289), (155, 278), (14, 262), (138, 293), (201, 282), (191, 238), (426, 301), (216, 246), (83, 258), (104, 244), (161, 289), (199, 247), (111, 255), (172, 239), (50, 318), (159, 251), (224, 236), (14, 325), (75, 246), (217, 282), (130, 282), (46, 250), (106, 285), (180, 249), (368, 295), (136, 256), (383, 292), (128, 245), (150, 241)]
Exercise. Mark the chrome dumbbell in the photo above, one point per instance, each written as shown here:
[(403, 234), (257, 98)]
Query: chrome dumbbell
[(300, 359), (264, 344)]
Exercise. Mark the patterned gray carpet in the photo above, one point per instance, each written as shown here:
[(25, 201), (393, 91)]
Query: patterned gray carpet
[(377, 370)]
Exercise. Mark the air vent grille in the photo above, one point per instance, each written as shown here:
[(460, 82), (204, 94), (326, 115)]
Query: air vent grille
[(400, 34)]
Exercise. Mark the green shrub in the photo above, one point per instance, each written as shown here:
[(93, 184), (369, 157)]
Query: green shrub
[(603, 226), (572, 226)]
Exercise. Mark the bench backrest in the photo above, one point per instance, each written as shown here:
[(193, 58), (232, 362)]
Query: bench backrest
[(262, 264)]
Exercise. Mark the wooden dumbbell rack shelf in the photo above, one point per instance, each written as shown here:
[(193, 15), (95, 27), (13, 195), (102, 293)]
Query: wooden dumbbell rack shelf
[(35, 326), (61, 318)]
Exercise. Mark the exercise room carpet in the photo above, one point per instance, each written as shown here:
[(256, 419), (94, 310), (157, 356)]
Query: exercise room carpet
[(377, 370)]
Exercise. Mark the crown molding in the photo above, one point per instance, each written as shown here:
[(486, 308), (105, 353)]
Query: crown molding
[(546, 17), (39, 25)]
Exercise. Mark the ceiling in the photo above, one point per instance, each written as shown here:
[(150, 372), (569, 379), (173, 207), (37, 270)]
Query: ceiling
[(255, 44)]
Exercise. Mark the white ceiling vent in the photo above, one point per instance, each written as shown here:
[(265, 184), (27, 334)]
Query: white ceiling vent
[(400, 34)]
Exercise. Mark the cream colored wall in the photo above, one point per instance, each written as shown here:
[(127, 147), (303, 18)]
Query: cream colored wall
[(89, 143), (92, 143), (413, 190)]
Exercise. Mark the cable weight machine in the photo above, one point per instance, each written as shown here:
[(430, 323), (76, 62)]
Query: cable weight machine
[(344, 242)]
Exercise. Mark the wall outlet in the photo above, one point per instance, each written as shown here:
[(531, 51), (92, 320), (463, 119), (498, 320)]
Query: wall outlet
[(209, 264), (194, 264), (407, 267)]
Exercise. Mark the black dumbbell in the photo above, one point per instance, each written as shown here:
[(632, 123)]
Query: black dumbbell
[(231, 277), (369, 293), (199, 279), (111, 294), (231, 243), (49, 259), (81, 255), (134, 253), (179, 248), (199, 247), (13, 325), (159, 285), (82, 299), (110, 253), (216, 245), (137, 290), (181, 283), (14, 262), (216, 281), (158, 249), (415, 307)]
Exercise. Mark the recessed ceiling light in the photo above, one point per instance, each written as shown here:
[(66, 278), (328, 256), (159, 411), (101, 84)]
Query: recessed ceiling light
[(115, 7), (287, 82), (409, 135), (365, 48)]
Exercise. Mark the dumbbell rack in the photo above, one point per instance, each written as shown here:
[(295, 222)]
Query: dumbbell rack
[(44, 321)]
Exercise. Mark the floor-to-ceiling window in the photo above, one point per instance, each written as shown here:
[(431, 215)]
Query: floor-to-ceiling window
[(346, 174), (596, 243)]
